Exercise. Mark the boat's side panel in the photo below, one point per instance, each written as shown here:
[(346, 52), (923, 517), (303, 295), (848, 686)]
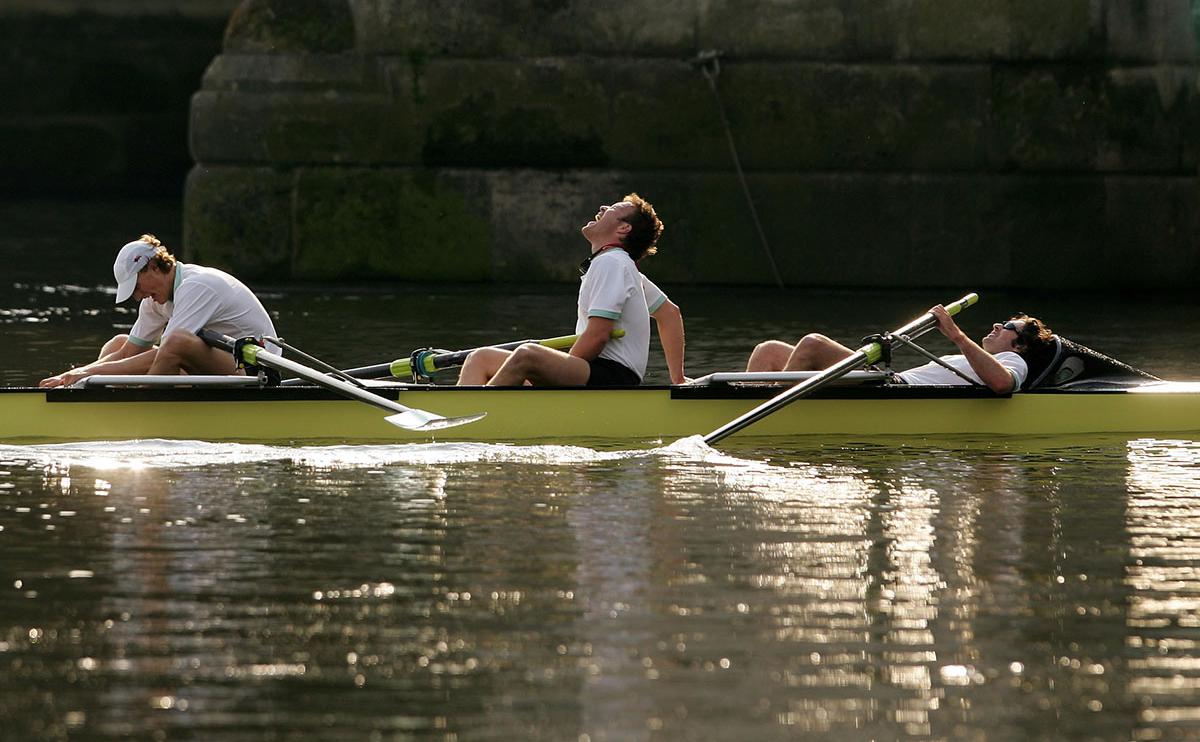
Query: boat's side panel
[(193, 420), (641, 414)]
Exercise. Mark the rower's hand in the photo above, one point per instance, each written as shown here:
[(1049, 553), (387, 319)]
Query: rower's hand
[(945, 322), (66, 378)]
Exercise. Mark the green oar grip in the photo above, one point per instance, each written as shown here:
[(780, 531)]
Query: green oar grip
[(961, 304), (874, 351)]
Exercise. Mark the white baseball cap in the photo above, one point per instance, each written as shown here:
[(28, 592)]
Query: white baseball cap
[(130, 261)]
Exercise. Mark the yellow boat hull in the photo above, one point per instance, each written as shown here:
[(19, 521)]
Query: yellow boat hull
[(648, 413)]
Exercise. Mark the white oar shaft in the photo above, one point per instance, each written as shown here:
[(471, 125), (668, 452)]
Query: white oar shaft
[(280, 363), (409, 418), (869, 353), (857, 360)]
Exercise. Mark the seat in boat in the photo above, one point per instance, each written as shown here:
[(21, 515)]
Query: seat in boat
[(1069, 363)]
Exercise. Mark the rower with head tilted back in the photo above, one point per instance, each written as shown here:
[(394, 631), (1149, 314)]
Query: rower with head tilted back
[(867, 354)]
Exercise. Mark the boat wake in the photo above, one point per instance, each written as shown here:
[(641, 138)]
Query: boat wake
[(166, 454)]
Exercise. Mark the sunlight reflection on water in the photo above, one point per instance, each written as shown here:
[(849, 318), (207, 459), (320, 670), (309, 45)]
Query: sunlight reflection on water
[(887, 588)]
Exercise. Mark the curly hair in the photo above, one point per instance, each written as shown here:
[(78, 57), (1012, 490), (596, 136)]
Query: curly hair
[(642, 239), (163, 260), (1034, 336)]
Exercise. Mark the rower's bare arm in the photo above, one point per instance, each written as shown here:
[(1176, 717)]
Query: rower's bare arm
[(991, 372), (130, 358), (670, 333), (593, 338)]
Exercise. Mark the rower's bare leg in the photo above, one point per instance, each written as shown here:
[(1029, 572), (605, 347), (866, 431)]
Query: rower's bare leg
[(771, 355), (816, 353), (481, 365), (185, 352), (116, 342), (542, 366)]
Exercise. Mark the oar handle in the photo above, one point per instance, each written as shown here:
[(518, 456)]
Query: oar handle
[(927, 321), (216, 339), (967, 301), (228, 344), (919, 326)]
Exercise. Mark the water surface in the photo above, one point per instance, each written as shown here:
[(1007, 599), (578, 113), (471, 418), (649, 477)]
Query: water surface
[(990, 588)]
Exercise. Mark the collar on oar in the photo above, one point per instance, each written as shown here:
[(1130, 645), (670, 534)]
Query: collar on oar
[(587, 262), (271, 376)]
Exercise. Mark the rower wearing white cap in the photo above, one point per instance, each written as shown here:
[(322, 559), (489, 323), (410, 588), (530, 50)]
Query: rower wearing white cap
[(176, 300)]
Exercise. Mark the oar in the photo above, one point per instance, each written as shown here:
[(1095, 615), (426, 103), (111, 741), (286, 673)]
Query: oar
[(430, 361), (409, 418), (869, 353)]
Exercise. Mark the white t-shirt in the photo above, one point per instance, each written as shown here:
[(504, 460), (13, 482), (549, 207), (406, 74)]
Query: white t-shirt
[(655, 297), (203, 298), (933, 374), (613, 288)]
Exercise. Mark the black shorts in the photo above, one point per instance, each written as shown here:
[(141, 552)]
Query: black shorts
[(610, 373)]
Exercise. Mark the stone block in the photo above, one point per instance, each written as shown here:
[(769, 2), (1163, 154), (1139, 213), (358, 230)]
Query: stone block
[(273, 73), (398, 224), (913, 30), (297, 128), (536, 216), (949, 30), (950, 221), (1056, 228), (961, 231), (1149, 124), (1093, 118), (1152, 232), (1062, 30), (291, 27), (527, 28), (802, 30), (1153, 30), (856, 229), (522, 114), (996, 29), (662, 114), (239, 219), (850, 117), (887, 142)]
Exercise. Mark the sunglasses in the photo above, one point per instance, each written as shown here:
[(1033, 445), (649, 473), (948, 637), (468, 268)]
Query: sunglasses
[(1010, 325)]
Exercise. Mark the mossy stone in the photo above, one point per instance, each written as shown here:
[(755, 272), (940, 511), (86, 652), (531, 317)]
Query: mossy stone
[(290, 26), (388, 224), (239, 219), (480, 133)]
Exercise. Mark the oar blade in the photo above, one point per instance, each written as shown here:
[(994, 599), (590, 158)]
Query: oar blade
[(408, 418), (421, 420)]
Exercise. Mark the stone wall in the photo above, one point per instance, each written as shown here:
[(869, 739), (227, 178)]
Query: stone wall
[(887, 142), (96, 92)]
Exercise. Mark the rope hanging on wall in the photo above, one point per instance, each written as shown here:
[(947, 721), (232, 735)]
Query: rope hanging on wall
[(709, 63)]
